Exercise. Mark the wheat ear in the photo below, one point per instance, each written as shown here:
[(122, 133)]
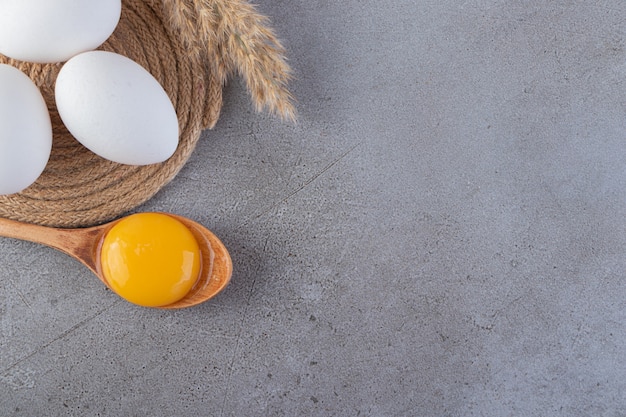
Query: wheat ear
[(237, 39)]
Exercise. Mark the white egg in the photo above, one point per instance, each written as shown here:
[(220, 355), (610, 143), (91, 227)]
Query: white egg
[(25, 131), (116, 108), (55, 30)]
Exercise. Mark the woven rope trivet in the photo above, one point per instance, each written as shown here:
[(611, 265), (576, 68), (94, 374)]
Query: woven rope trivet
[(78, 188)]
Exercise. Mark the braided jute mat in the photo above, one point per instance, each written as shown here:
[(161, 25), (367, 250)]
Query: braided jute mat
[(191, 47)]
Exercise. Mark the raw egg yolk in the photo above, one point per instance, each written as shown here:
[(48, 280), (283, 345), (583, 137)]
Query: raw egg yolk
[(150, 259)]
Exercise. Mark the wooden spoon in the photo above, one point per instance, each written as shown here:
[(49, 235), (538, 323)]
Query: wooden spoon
[(85, 244)]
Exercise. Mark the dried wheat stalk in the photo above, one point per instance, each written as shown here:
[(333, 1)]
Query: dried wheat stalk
[(236, 39)]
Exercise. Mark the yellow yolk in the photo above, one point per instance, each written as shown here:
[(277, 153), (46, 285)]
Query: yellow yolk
[(150, 259)]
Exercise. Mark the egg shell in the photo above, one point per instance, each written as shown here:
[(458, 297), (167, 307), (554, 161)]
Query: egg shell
[(25, 131), (49, 31), (116, 108)]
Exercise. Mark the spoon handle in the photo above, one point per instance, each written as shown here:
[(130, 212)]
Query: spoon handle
[(78, 243)]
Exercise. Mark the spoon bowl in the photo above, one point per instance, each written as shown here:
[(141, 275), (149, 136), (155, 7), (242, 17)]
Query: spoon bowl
[(85, 245)]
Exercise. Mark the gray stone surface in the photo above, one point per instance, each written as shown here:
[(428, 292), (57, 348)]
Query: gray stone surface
[(442, 233)]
